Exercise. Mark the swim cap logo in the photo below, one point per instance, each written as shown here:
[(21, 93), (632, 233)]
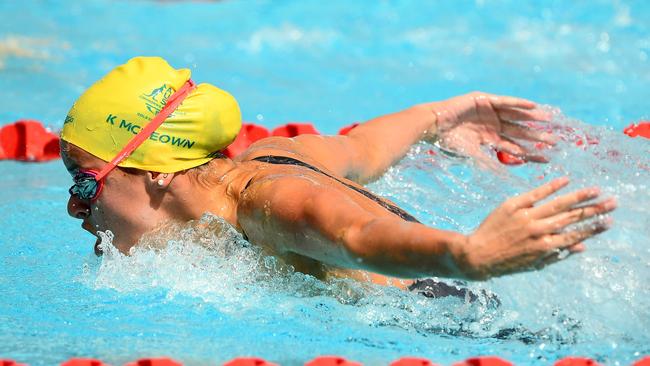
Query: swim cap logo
[(156, 99)]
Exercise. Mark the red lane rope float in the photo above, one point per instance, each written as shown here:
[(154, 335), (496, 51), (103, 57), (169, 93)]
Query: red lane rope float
[(83, 362), (412, 361), (641, 129), (346, 129), (294, 129), (249, 133), (28, 140), (645, 361), (163, 361), (576, 361), (484, 361), (10, 363), (331, 361), (249, 361)]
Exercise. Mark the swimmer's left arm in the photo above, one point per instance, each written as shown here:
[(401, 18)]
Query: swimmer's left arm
[(462, 123)]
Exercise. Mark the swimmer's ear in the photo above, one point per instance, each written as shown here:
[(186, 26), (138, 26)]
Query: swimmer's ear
[(160, 180)]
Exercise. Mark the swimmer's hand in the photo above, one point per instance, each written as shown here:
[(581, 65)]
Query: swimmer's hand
[(466, 123), (519, 236)]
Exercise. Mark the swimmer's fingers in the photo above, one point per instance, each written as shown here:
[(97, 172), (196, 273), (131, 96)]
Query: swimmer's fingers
[(565, 202), (515, 114), (519, 151), (517, 131), (504, 101), (571, 239), (576, 248), (528, 199), (560, 246), (488, 163), (575, 215), (482, 158)]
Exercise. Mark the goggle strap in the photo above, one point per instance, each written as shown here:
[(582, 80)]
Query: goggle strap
[(172, 103)]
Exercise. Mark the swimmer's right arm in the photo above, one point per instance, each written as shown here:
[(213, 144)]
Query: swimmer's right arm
[(520, 235)]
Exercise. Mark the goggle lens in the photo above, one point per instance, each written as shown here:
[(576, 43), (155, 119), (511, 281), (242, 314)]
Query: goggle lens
[(85, 186)]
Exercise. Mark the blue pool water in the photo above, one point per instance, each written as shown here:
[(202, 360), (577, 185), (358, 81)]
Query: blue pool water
[(206, 296)]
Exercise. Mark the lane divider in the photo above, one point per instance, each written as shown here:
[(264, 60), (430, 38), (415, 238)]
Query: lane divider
[(249, 361), (29, 141), (248, 134), (484, 361), (638, 129), (154, 362), (83, 362), (412, 361), (576, 361), (295, 129), (346, 129), (333, 361), (10, 363), (645, 361)]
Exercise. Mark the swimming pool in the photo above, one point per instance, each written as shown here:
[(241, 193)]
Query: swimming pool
[(332, 65)]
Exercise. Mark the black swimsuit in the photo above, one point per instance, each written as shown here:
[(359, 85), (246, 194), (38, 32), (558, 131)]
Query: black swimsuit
[(271, 159)]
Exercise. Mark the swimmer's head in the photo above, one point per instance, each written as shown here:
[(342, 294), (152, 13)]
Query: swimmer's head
[(117, 107), (139, 195)]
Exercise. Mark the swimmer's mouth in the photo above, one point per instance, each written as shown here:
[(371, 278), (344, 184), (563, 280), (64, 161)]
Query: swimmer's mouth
[(98, 250), (88, 227)]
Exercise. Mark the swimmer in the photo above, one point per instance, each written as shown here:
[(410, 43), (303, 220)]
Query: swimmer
[(302, 199)]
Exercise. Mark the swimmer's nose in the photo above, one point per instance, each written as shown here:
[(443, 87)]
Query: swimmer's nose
[(78, 208)]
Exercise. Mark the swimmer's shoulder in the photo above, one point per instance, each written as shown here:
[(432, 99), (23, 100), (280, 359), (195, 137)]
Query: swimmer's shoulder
[(270, 146), (305, 148), (270, 208)]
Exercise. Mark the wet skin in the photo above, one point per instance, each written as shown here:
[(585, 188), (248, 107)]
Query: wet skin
[(323, 228), (126, 204)]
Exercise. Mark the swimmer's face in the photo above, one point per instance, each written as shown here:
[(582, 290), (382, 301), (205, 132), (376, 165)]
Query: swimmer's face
[(125, 205)]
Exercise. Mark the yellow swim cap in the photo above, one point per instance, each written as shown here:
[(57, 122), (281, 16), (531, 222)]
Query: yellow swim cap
[(117, 107)]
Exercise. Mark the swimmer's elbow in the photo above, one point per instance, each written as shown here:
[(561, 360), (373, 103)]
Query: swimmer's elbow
[(381, 245), (356, 243)]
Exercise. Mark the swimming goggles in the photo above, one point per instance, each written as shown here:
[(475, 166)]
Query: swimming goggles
[(88, 183)]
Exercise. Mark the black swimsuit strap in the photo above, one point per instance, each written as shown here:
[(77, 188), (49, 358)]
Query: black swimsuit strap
[(271, 159)]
